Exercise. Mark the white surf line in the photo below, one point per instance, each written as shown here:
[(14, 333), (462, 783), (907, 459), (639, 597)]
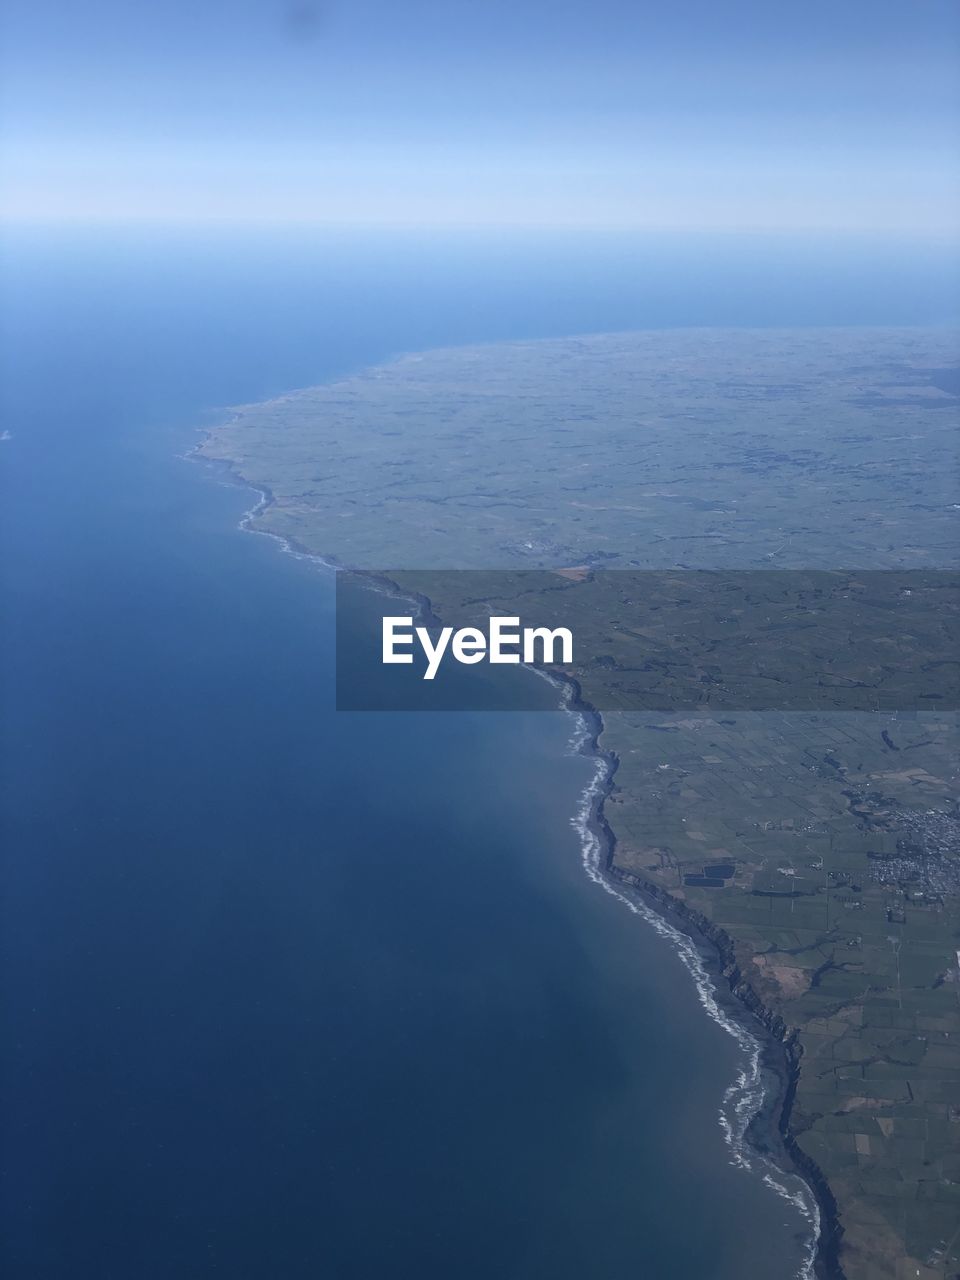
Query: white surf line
[(245, 523), (743, 1099)]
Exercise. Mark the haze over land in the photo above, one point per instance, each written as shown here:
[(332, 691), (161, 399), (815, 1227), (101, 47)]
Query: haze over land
[(299, 994), (821, 852), (804, 448)]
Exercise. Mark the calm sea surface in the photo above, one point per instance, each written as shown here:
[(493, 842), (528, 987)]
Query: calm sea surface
[(291, 994)]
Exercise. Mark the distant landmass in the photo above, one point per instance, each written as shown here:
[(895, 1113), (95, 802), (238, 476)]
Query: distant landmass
[(818, 852)]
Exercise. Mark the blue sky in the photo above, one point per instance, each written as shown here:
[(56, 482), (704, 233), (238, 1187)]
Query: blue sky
[(681, 116)]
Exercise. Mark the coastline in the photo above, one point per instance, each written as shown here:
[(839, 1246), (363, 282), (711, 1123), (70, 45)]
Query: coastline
[(755, 1119), (759, 1129)]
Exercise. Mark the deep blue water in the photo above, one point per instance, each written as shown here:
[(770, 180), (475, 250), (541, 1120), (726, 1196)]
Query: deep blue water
[(288, 993)]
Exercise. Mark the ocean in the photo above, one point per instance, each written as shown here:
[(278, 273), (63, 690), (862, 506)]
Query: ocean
[(291, 993)]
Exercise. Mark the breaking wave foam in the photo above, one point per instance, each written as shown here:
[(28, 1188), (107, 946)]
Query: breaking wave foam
[(744, 1097)]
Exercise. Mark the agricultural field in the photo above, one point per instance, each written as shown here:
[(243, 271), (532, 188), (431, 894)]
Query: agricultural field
[(830, 855), (823, 841)]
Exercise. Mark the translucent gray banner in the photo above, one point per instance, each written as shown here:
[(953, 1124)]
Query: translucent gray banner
[(685, 640)]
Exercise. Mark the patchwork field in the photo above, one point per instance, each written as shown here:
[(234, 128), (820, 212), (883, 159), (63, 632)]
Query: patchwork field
[(824, 844)]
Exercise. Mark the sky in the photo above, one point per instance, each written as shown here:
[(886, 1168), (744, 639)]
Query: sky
[(680, 116)]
